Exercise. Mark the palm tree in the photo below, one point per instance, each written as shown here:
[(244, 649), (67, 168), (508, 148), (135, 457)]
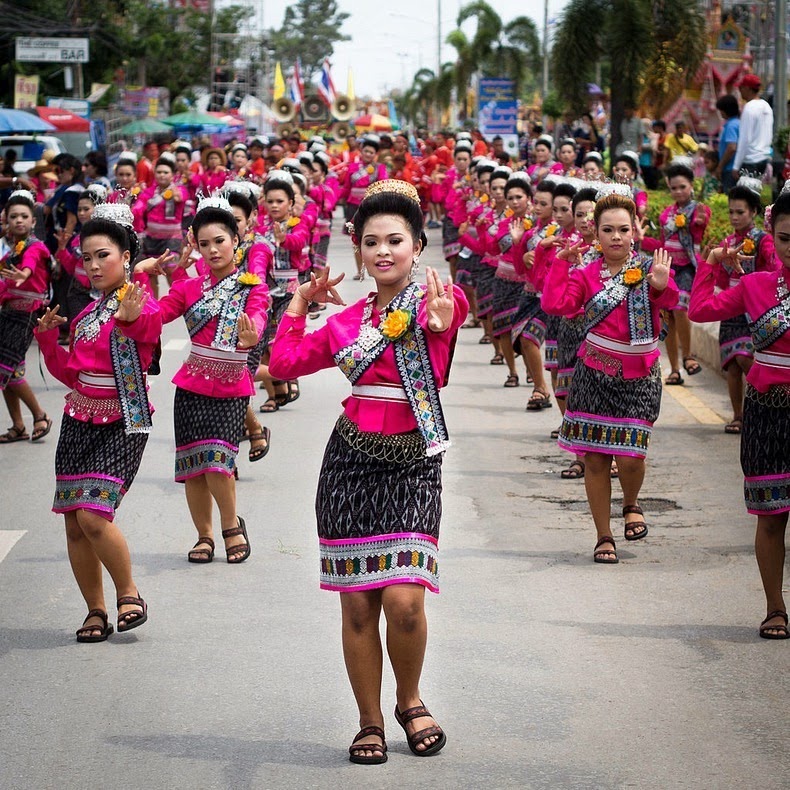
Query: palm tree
[(654, 47)]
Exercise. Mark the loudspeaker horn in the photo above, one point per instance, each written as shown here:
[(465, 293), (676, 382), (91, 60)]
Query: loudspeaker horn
[(340, 130), (284, 110), (342, 108)]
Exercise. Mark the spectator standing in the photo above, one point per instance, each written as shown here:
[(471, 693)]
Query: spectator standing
[(680, 142), (756, 130), (630, 132), (727, 105)]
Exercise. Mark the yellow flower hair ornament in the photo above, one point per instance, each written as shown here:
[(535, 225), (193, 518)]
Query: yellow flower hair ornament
[(248, 278), (396, 324), (633, 276)]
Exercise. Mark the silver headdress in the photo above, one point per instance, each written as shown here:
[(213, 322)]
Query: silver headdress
[(127, 157), (752, 183), (546, 139), (633, 158), (613, 188), (24, 193), (98, 191), (216, 200), (280, 175), (119, 213), (247, 188), (168, 156), (685, 161)]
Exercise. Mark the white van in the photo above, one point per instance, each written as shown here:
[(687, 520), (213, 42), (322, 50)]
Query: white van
[(30, 148)]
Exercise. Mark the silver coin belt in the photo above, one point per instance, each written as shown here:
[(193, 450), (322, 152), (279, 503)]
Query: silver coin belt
[(396, 448)]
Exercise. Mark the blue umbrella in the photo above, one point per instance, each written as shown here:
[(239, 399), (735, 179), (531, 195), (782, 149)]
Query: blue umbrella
[(21, 121)]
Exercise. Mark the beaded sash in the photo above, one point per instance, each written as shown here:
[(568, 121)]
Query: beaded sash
[(771, 325), (414, 368), (749, 264), (684, 233), (612, 295), (226, 301)]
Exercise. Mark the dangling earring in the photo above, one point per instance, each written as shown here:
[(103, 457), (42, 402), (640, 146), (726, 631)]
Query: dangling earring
[(127, 269), (415, 267)]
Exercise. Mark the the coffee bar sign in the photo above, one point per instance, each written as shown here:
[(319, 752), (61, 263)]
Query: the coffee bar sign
[(52, 50)]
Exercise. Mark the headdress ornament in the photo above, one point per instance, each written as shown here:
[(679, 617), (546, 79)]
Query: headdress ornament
[(752, 183), (685, 161), (280, 175), (217, 200), (306, 156), (181, 145), (291, 164), (632, 157), (393, 185), (323, 157), (372, 139), (26, 194), (613, 188), (261, 141), (546, 139), (99, 192), (593, 156), (238, 147), (126, 157), (119, 213), (463, 136), (168, 156)]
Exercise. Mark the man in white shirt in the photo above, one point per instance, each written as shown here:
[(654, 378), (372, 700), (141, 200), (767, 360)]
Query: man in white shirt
[(756, 132)]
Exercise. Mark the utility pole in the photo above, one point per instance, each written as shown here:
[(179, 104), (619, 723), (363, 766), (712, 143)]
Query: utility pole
[(780, 68), (438, 58), (79, 89)]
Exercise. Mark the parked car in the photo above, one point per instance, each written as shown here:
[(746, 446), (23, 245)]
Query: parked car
[(30, 148)]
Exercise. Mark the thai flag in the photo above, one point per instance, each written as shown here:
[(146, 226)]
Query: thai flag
[(297, 87), (326, 88)]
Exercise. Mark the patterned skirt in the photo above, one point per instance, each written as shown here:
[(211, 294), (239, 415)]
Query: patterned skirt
[(507, 294), (207, 433), (467, 270), (684, 279), (552, 333), (16, 335), (378, 515), (450, 244), (485, 290), (529, 323), (570, 336), (276, 312), (609, 414), (95, 465), (765, 451), (320, 251), (735, 340)]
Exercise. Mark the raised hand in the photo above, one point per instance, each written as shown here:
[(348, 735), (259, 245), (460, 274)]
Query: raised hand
[(248, 333), (155, 265), (439, 302), (658, 277), (63, 237), (51, 319), (517, 230), (15, 274), (132, 304), (321, 289), (280, 232), (729, 256), (573, 252)]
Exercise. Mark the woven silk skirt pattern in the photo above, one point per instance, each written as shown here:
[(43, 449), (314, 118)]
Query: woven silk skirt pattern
[(207, 432), (16, 335), (609, 414), (276, 312), (467, 270), (450, 244), (529, 323), (507, 294), (684, 279), (320, 252), (95, 465), (378, 520), (485, 290), (570, 336), (735, 340), (765, 451)]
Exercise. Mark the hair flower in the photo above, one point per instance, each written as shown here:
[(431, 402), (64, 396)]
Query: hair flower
[(168, 194), (748, 246), (19, 248), (293, 222), (633, 276), (121, 292), (396, 324), (248, 278), (680, 220)]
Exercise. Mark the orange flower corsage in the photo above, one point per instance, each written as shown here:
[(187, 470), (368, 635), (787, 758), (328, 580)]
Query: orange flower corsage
[(748, 246), (484, 198), (527, 223), (370, 169), (680, 220), (551, 230), (121, 292), (633, 276), (167, 194), (293, 222), (19, 248), (508, 212), (135, 191), (396, 324), (248, 278)]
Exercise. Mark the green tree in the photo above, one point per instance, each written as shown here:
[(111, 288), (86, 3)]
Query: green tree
[(310, 30)]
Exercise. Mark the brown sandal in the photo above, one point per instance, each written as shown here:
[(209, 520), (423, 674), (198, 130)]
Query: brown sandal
[(202, 555), (574, 472), (600, 555), (14, 434), (764, 629), (239, 552), (539, 400), (380, 751), (414, 739), (138, 618), (632, 525), (83, 634)]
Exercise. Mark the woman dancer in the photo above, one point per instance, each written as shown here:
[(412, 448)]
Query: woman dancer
[(378, 502), (24, 290), (626, 171), (616, 392), (106, 419), (544, 164), (765, 443), (225, 314), (126, 187)]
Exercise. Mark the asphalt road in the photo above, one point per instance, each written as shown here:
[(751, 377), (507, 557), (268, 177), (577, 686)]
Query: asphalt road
[(546, 671)]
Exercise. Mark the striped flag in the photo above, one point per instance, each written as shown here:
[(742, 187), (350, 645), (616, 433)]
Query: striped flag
[(297, 87), (326, 88)]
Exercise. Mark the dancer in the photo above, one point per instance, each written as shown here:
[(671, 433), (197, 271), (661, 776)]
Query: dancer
[(378, 502), (225, 314), (24, 290), (106, 419), (765, 443), (616, 391)]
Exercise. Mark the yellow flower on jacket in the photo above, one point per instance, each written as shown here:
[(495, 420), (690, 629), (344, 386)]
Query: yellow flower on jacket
[(19, 248), (551, 230), (396, 324), (121, 292), (167, 194), (248, 278), (748, 246), (293, 222), (680, 220), (633, 276), (527, 223)]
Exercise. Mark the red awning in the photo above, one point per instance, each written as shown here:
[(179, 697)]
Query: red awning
[(64, 120)]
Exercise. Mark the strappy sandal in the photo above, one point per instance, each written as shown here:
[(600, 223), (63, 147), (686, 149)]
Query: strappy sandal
[(124, 624), (202, 556), (539, 400), (574, 471), (14, 434), (764, 629), (380, 751), (555, 434), (497, 359), (256, 453), (485, 340), (511, 381), (691, 366), (239, 552), (674, 379), (269, 405), (632, 525), (415, 739), (293, 391), (734, 426), (602, 556), (84, 633), (40, 433)]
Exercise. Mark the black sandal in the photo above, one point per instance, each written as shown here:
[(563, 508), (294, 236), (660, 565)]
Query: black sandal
[(511, 381), (239, 552), (256, 453), (574, 472), (764, 629), (375, 759), (293, 391), (14, 434), (539, 400), (83, 634), (497, 359), (693, 368), (734, 426), (124, 624), (632, 525), (674, 379), (418, 737), (269, 405), (202, 556), (600, 555)]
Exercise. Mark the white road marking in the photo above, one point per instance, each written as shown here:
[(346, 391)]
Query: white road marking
[(176, 344), (8, 538)]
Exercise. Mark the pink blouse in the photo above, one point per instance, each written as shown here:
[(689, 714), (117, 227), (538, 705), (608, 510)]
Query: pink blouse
[(150, 213), (567, 291), (86, 368), (671, 243), (33, 293), (296, 353), (754, 295), (765, 259)]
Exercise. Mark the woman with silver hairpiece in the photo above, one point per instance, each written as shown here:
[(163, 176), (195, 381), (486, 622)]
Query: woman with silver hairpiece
[(24, 290), (107, 416), (379, 492)]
